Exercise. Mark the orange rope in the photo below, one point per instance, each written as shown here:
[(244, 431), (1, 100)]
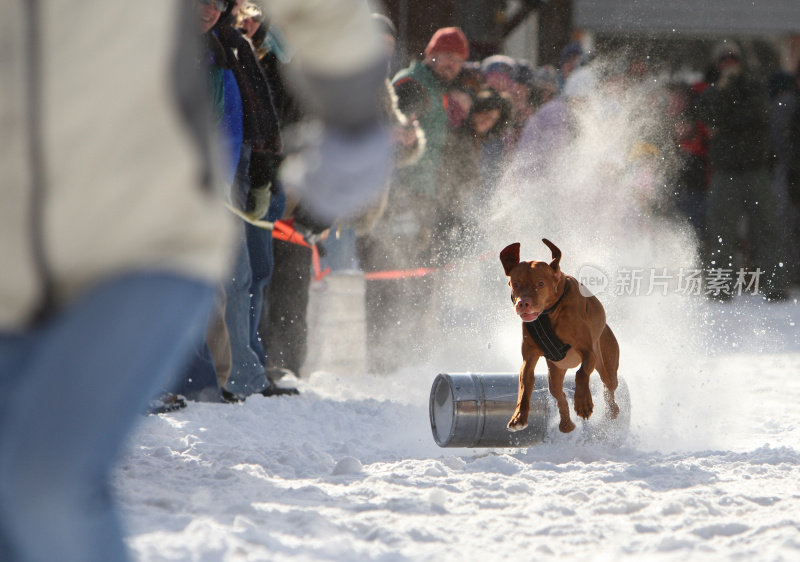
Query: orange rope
[(285, 231), (399, 273)]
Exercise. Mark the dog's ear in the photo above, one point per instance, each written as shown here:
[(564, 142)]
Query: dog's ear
[(509, 257), (556, 253)]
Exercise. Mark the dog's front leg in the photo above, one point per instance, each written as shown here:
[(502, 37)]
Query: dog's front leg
[(519, 420), (555, 380), (583, 396)]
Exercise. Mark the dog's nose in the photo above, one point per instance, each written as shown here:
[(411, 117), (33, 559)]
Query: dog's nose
[(523, 303)]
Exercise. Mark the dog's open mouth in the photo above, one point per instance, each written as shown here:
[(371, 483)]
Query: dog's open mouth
[(529, 316)]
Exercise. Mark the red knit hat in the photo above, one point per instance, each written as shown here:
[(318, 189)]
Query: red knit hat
[(448, 40)]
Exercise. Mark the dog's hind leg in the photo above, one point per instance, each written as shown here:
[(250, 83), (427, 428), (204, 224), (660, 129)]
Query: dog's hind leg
[(607, 366), (555, 380)]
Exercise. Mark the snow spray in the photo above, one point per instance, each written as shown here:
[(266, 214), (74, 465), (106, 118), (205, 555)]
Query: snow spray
[(593, 176), (472, 410)]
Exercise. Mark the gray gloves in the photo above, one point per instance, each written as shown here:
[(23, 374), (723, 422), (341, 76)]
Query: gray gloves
[(337, 172), (257, 202)]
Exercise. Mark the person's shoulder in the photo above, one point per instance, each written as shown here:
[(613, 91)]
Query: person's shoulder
[(554, 110), (411, 71)]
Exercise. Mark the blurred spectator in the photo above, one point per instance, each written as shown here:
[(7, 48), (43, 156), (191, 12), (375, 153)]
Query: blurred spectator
[(252, 193), (736, 109), (373, 243), (568, 61), (785, 148), (498, 72), (280, 322), (461, 95), (690, 138), (445, 54), (549, 131), (521, 96), (408, 138), (544, 86), (285, 323), (406, 230), (206, 374), (463, 199)]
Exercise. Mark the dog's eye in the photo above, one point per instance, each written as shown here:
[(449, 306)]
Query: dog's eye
[(515, 285), (540, 284)]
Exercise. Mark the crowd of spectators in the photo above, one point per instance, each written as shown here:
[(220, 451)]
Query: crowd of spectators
[(725, 151)]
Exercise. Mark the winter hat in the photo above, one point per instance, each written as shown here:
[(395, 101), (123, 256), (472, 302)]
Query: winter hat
[(448, 40), (726, 49), (499, 63), (251, 10)]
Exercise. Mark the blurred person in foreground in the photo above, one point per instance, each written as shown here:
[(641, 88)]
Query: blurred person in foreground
[(114, 236), (373, 225)]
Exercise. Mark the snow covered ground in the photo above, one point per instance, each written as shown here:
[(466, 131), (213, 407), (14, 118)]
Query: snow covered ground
[(349, 470)]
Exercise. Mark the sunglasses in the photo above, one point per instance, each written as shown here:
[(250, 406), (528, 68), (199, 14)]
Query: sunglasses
[(219, 5)]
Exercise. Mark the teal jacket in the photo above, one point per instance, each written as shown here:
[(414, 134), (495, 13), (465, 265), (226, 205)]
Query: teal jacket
[(422, 175)]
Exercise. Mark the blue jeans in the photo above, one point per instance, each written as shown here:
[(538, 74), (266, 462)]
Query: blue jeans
[(199, 379), (341, 251), (70, 393), (247, 370), (262, 263)]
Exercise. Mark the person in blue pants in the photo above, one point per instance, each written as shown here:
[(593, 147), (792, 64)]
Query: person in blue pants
[(61, 434), (113, 236), (113, 239)]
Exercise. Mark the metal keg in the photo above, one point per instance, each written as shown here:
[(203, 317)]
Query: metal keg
[(472, 410)]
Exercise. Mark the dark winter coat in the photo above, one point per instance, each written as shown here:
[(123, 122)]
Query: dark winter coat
[(738, 116), (794, 152), (261, 124)]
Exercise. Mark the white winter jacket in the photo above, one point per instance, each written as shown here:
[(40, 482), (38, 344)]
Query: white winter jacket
[(99, 174)]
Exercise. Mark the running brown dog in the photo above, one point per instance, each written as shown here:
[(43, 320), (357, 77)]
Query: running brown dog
[(565, 327)]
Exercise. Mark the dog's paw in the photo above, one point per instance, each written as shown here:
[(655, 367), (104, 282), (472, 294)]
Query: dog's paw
[(612, 410), (517, 423), (566, 426), (583, 405)]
